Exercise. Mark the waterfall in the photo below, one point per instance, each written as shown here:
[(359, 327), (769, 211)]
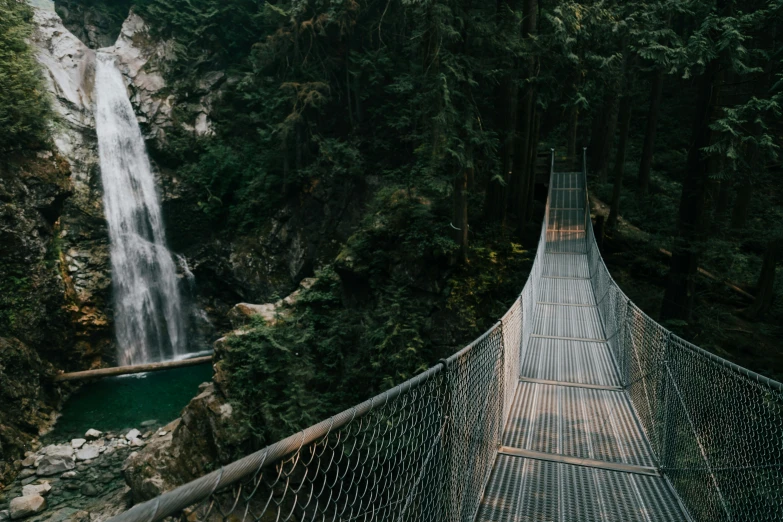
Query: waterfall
[(148, 310)]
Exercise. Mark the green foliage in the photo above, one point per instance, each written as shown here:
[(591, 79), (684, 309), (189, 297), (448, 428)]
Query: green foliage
[(388, 102), (15, 293), (24, 108), (382, 312)]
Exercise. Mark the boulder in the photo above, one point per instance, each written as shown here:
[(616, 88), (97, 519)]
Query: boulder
[(92, 434), (243, 313), (36, 489), (209, 434), (61, 450), (77, 443), (54, 465), (25, 506), (29, 462), (5, 515), (88, 490), (29, 472), (132, 434), (79, 516), (88, 453)]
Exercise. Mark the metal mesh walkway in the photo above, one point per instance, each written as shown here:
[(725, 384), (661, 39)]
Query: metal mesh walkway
[(573, 449), (574, 407)]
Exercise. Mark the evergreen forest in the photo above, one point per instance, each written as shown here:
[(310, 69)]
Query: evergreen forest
[(409, 142)]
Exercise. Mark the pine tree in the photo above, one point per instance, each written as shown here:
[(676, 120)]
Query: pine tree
[(24, 105)]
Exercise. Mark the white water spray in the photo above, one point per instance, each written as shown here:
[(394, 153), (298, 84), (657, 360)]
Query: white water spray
[(148, 313)]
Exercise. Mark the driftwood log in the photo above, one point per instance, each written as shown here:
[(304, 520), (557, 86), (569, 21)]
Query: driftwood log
[(125, 370)]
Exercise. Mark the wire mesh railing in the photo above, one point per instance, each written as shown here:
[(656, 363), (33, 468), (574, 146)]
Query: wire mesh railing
[(715, 428), (423, 450)]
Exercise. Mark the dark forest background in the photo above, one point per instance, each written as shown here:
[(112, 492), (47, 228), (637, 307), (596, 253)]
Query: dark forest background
[(430, 115)]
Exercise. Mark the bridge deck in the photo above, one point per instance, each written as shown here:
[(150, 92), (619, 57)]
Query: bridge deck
[(573, 449)]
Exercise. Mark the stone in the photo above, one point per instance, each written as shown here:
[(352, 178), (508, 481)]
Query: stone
[(61, 450), (69, 475), (149, 423), (135, 443), (77, 443), (25, 506), (5, 515), (79, 516), (132, 434), (88, 453), (88, 490), (92, 434), (26, 473), (54, 465), (36, 489), (29, 480), (29, 461)]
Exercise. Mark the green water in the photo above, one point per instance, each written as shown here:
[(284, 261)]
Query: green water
[(119, 403)]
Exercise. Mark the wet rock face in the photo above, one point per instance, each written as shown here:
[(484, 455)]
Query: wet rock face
[(26, 402), (33, 188), (69, 70), (94, 24)]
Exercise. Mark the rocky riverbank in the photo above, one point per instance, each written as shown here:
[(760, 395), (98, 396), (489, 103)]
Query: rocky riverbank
[(76, 481)]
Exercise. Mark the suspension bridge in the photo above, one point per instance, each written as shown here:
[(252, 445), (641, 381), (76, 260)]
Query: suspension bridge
[(575, 406)]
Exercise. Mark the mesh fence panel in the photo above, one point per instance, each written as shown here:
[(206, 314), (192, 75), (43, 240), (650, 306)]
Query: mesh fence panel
[(424, 449), (421, 451), (715, 428)]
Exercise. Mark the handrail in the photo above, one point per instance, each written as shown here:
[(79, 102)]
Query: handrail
[(701, 423), (428, 444), (701, 351), (188, 494)]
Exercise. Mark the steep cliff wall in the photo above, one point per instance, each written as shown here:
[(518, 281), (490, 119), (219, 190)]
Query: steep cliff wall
[(69, 67)]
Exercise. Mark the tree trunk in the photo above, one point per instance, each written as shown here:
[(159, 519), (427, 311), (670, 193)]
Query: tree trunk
[(678, 298), (649, 135), (126, 370), (532, 165), (602, 141), (608, 143), (721, 205), (573, 126), (348, 89), (596, 140), (521, 155), (506, 110), (573, 116), (619, 162), (739, 215), (765, 288), (496, 195), (460, 214)]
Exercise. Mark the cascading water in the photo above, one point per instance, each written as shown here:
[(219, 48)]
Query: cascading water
[(149, 318)]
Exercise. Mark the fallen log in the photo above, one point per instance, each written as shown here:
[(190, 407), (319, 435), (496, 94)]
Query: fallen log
[(136, 368)]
